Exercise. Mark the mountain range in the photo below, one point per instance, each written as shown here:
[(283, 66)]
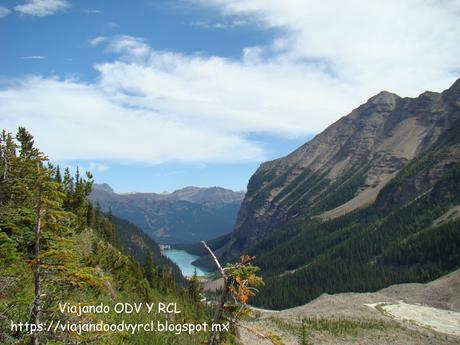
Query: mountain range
[(187, 215), (371, 201)]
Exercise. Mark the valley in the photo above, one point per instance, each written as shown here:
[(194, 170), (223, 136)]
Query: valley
[(230, 172), (400, 314), (369, 202), (356, 232)]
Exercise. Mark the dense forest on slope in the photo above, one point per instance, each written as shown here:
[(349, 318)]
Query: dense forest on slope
[(370, 248), (345, 167), (371, 201), (198, 249), (139, 245), (55, 247)]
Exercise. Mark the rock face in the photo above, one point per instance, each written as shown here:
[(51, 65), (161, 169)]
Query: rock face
[(347, 166), (184, 216)]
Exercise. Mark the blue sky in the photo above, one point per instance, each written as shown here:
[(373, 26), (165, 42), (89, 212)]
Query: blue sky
[(157, 95)]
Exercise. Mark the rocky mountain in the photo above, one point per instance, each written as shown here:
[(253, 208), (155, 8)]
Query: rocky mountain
[(184, 216), (351, 200)]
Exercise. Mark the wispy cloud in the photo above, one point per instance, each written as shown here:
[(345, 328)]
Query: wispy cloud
[(103, 128), (411, 43), (109, 26), (132, 47), (98, 167), (4, 11), (34, 57), (97, 40), (91, 11), (155, 106), (218, 24), (42, 8)]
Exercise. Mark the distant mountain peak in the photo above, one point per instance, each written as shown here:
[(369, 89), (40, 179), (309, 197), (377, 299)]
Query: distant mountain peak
[(188, 214), (384, 97), (103, 187), (345, 167), (430, 94), (188, 189), (455, 85)]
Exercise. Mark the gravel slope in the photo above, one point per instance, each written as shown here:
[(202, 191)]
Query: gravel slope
[(403, 314)]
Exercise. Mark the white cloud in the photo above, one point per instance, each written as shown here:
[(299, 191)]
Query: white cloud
[(4, 11), (155, 106), (34, 57), (72, 120), (91, 11), (42, 8), (97, 40), (218, 25), (133, 47), (404, 46), (219, 93), (98, 167)]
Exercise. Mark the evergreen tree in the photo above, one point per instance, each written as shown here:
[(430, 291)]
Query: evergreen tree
[(151, 273), (45, 199), (195, 288), (54, 246), (58, 177)]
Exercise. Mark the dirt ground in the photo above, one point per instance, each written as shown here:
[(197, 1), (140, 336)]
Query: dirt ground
[(425, 314)]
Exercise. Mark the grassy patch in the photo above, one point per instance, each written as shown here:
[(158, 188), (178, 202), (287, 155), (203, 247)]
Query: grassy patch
[(305, 328)]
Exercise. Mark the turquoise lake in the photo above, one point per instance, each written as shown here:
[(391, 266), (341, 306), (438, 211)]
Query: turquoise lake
[(184, 260)]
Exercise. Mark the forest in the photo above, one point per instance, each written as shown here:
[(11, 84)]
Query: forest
[(367, 249), (55, 247)]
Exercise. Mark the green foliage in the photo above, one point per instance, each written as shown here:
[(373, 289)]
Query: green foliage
[(136, 243), (337, 327), (240, 282), (242, 279), (342, 190), (10, 255), (195, 289), (343, 327), (305, 191), (80, 256), (365, 250), (199, 250)]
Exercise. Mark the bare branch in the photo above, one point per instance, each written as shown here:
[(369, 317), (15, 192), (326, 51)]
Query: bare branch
[(220, 308), (222, 271)]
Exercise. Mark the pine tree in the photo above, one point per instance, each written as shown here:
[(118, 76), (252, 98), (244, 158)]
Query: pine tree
[(7, 158), (151, 273), (47, 256), (58, 177), (195, 288), (34, 208)]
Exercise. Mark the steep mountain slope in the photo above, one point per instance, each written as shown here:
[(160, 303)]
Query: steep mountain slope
[(137, 244), (369, 202), (346, 166), (184, 216)]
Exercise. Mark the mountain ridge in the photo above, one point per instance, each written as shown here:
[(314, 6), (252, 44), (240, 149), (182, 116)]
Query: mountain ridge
[(386, 132), (369, 202), (183, 216)]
